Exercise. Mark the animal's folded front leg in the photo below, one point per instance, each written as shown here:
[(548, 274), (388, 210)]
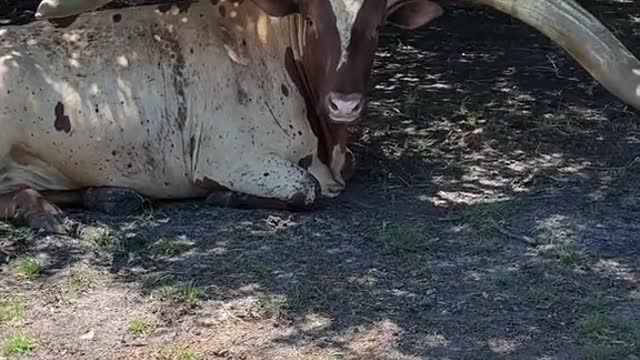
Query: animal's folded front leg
[(30, 207), (265, 182)]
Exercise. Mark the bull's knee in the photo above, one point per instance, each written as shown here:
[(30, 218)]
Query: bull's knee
[(30, 207), (304, 198), (308, 195)]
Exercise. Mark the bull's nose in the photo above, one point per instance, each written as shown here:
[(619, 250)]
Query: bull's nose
[(345, 108)]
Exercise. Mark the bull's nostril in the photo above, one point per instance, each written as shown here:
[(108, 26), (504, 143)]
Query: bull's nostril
[(333, 106), (358, 107)]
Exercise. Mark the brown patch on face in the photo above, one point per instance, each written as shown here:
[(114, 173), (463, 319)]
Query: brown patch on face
[(62, 121), (223, 11), (64, 21), (353, 76)]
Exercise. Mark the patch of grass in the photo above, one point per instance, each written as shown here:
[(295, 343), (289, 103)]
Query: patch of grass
[(186, 292), (488, 219), (405, 239), (107, 239), (140, 326), (601, 303), (603, 351), (145, 218), (168, 247), (595, 323), (81, 277), (18, 344), (12, 232), (11, 310), (179, 353), (28, 267), (567, 254), (273, 306), (540, 295), (157, 279), (608, 338), (503, 278), (470, 119)]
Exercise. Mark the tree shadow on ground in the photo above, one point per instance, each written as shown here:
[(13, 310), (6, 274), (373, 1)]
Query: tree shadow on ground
[(494, 207)]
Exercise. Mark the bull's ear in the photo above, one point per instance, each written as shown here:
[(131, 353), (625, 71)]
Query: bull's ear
[(278, 8), (412, 14)]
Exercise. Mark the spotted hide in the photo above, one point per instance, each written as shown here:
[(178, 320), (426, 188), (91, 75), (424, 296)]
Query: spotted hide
[(247, 102)]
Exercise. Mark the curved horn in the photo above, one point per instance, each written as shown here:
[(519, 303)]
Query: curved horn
[(584, 37)]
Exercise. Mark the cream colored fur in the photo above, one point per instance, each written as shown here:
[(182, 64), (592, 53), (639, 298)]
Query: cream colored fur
[(157, 102)]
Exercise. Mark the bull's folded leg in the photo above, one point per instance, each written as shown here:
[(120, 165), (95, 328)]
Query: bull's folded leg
[(113, 200), (31, 208), (272, 183), (231, 199)]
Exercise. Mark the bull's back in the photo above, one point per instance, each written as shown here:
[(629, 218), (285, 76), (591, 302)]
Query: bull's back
[(145, 99), (103, 101)]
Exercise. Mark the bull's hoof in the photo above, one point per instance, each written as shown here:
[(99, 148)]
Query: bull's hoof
[(113, 201)]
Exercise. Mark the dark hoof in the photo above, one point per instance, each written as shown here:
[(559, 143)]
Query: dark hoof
[(113, 201)]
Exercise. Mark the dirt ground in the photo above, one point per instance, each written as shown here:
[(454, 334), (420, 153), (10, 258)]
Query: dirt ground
[(494, 215)]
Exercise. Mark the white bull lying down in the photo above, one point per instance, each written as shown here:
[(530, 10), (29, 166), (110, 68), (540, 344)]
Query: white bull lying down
[(206, 98), (216, 98)]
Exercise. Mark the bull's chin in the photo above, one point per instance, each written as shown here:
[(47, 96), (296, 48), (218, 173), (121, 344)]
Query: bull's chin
[(347, 120)]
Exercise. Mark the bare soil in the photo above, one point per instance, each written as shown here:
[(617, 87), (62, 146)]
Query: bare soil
[(494, 215)]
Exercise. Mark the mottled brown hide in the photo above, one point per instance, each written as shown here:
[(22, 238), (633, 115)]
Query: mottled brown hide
[(167, 42), (62, 121)]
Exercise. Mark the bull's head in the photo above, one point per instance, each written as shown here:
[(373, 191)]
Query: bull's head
[(339, 40)]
